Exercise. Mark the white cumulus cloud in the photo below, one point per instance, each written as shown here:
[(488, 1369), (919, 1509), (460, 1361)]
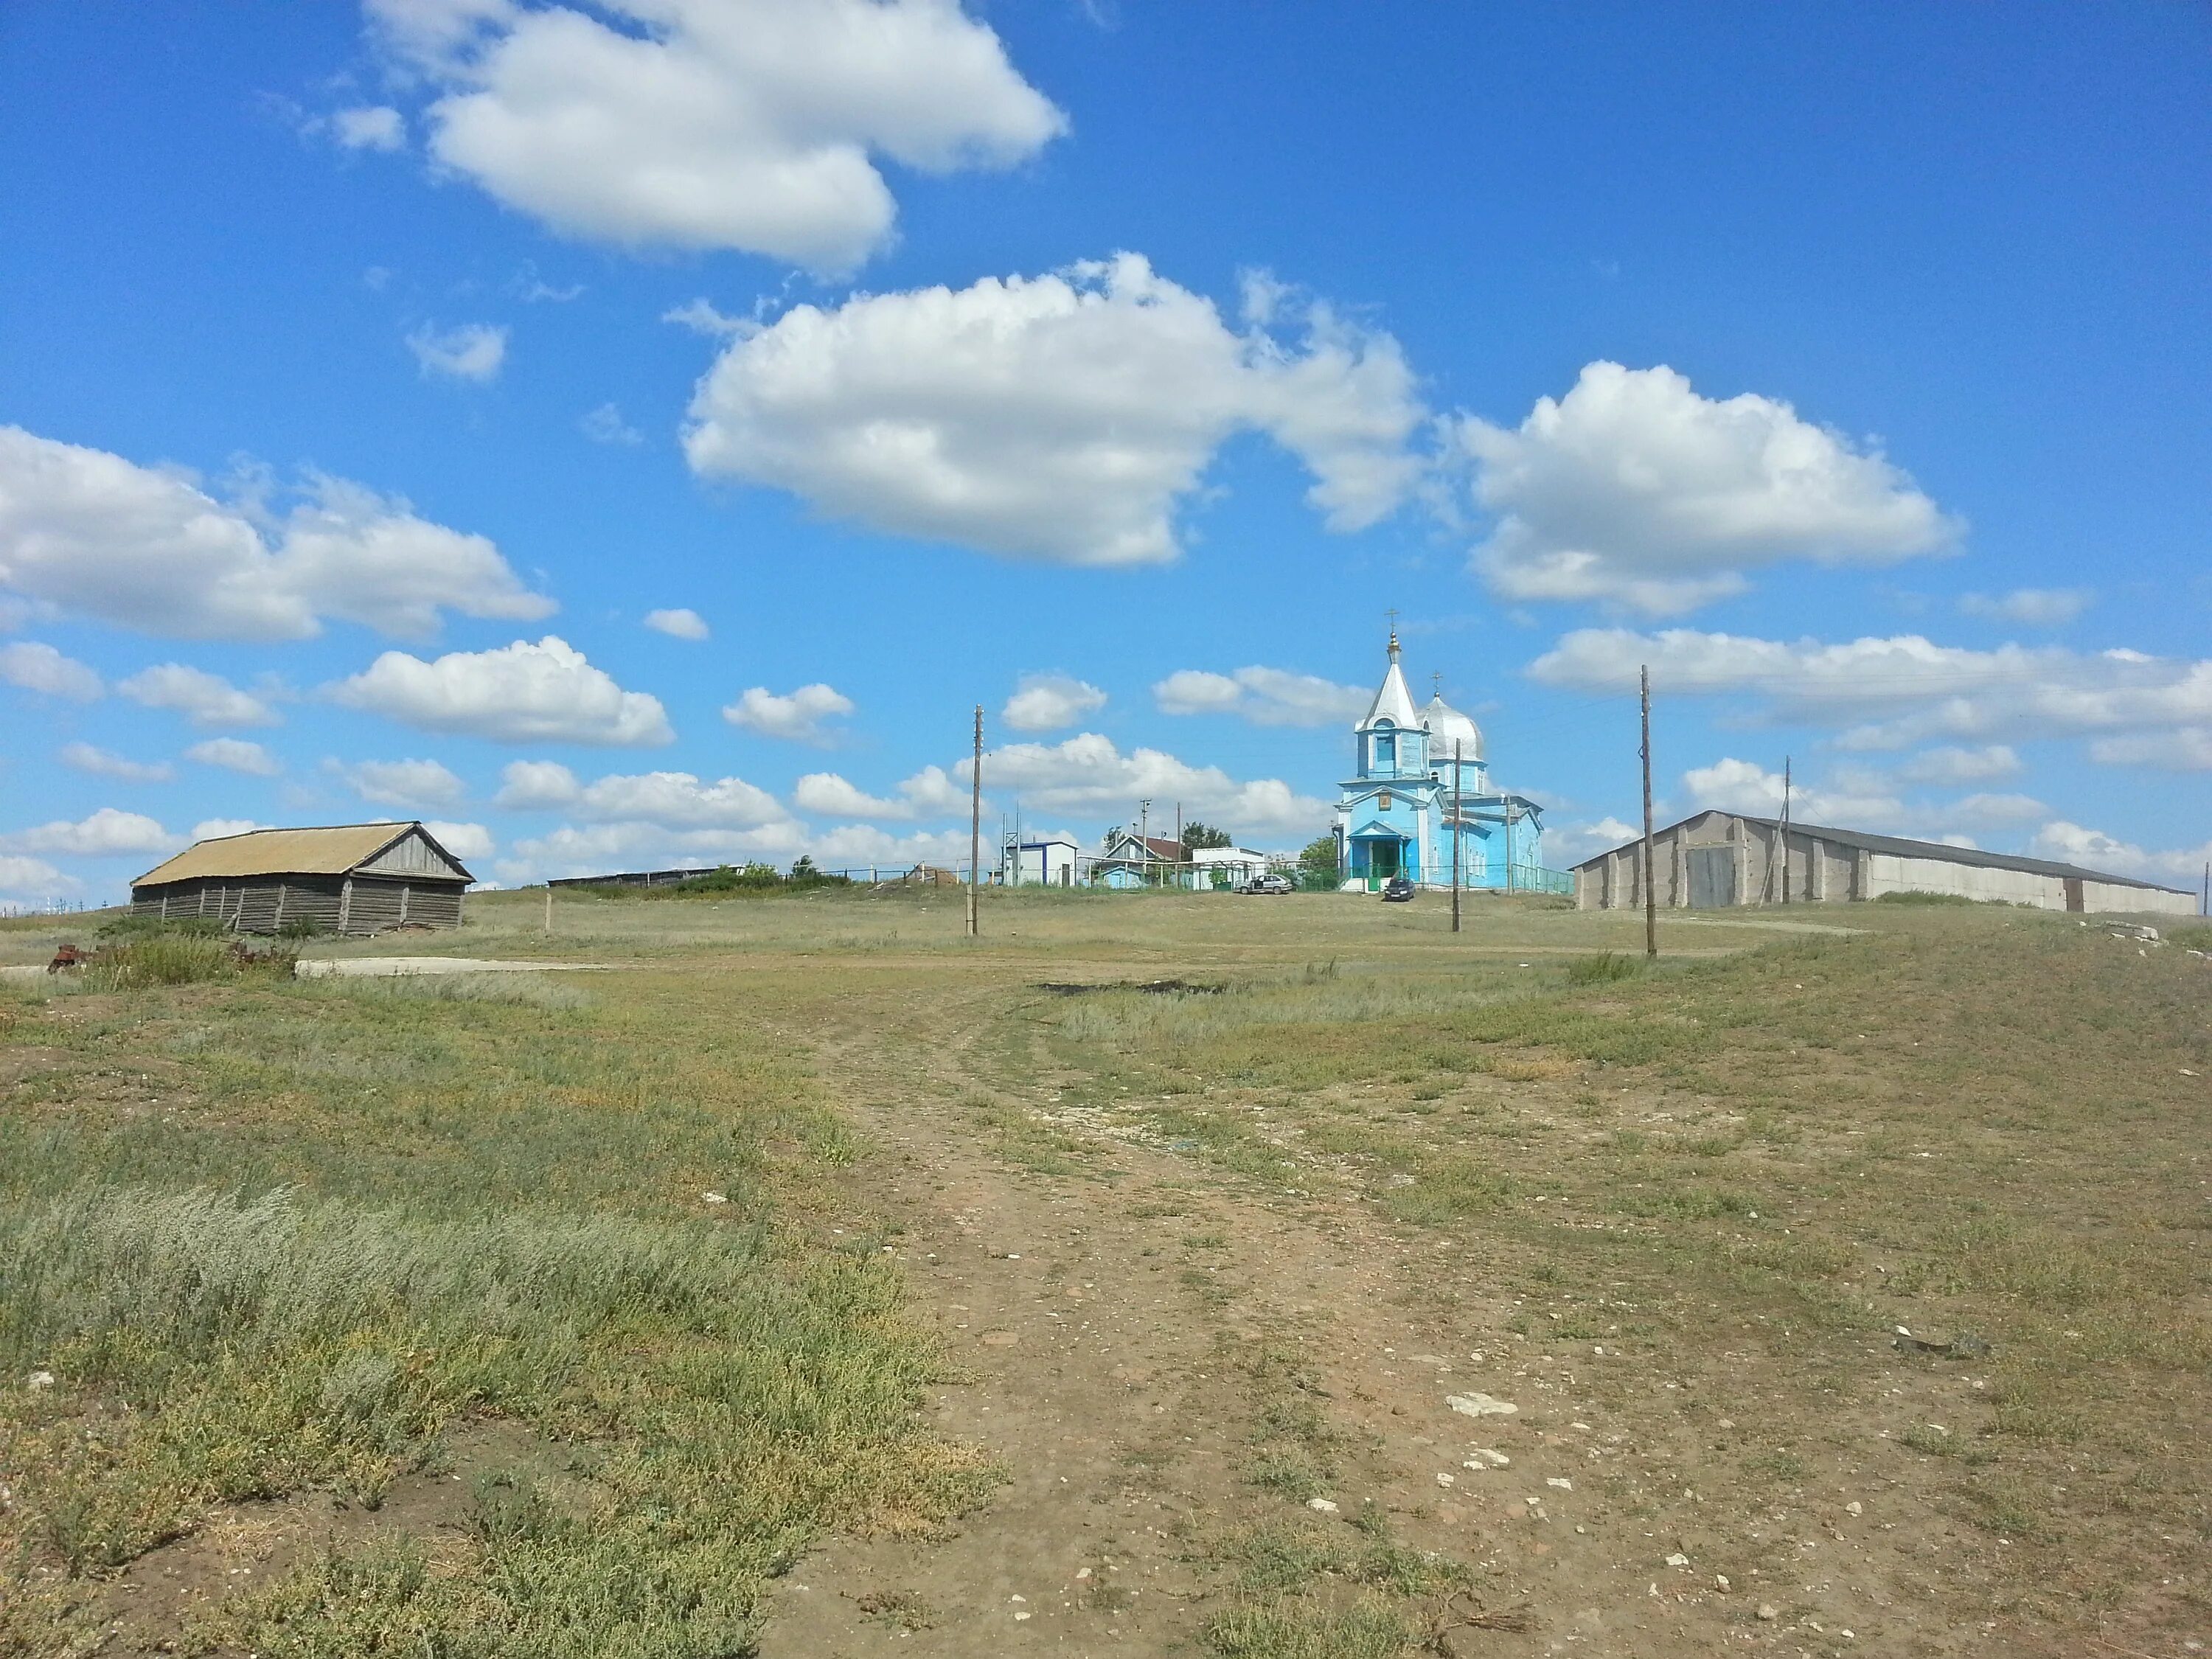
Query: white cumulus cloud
[(519, 693), (2073, 843), (798, 717), (677, 625), (412, 783), (463, 841), (32, 880), (1742, 786), (104, 833), (535, 785), (1895, 692), (1063, 417), (235, 755), (1087, 775), (1568, 843), (1266, 696), (714, 123), (34, 666), (202, 698), (929, 793), (475, 352), (1635, 491), (664, 800), (1046, 702), (100, 763), (88, 531)]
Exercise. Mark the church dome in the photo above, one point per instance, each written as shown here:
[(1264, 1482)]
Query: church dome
[(1447, 725)]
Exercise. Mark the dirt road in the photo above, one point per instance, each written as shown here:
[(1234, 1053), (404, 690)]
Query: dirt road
[(1131, 1324)]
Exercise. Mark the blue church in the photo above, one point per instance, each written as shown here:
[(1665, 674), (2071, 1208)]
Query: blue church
[(1422, 785)]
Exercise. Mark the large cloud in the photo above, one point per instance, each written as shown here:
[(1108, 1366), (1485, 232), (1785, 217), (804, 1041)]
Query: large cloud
[(800, 716), (1061, 417), (34, 666), (413, 783), (2073, 843), (88, 531), (1890, 693), (929, 793), (1088, 776), (1856, 797), (714, 123), (1266, 696), (663, 799), (32, 880), (1046, 702), (519, 693), (1634, 490), (104, 833)]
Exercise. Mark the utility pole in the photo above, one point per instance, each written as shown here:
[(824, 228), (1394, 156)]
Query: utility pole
[(1457, 807), (1509, 847), (1785, 828), (1182, 852), (975, 823), (1145, 834), (1650, 897), (548, 905)]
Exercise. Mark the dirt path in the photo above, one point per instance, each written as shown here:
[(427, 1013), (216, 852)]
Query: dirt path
[(1111, 1320)]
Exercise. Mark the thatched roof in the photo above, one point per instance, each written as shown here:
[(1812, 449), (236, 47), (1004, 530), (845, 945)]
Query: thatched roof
[(332, 850)]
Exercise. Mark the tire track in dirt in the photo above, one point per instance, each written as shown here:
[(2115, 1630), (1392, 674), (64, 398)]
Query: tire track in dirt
[(1107, 1374)]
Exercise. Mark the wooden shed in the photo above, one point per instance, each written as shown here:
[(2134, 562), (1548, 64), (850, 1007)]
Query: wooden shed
[(344, 879)]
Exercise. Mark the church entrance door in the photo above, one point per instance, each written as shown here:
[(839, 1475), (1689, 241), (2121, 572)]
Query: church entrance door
[(1382, 863)]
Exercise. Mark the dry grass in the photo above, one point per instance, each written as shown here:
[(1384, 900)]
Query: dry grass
[(267, 1236)]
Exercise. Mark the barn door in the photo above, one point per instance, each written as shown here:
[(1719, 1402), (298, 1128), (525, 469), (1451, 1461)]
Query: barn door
[(1712, 876), (2074, 894)]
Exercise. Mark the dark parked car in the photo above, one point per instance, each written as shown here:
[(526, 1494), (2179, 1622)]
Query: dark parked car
[(1399, 890)]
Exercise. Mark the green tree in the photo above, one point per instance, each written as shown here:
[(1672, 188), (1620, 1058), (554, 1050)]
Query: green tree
[(1196, 835), (1318, 867)]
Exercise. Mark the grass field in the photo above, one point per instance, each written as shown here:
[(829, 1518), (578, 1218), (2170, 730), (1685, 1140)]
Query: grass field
[(566, 1314)]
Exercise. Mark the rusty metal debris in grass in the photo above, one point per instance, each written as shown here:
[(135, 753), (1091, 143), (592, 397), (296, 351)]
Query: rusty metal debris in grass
[(1156, 987)]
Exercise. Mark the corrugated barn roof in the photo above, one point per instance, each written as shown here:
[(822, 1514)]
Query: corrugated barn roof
[(334, 850)]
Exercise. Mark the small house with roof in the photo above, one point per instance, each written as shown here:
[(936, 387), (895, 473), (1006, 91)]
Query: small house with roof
[(351, 878), (1129, 859), (1420, 798)]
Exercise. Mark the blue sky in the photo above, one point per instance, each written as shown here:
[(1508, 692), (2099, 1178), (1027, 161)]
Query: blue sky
[(369, 376)]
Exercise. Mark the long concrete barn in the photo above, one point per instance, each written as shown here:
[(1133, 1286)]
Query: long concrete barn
[(345, 878), (1720, 859)]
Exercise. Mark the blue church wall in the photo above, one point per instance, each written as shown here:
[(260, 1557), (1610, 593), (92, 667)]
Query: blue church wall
[(1397, 816)]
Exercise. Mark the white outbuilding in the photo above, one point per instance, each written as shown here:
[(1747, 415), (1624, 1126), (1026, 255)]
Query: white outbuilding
[(1719, 858)]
